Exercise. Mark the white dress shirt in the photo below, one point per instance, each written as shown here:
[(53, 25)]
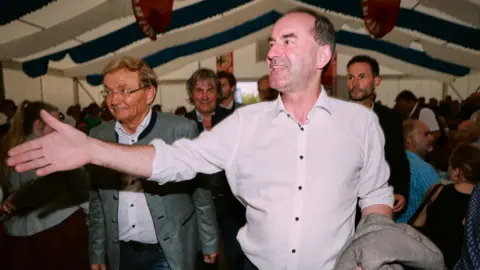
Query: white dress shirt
[(427, 116), (135, 222), (299, 183)]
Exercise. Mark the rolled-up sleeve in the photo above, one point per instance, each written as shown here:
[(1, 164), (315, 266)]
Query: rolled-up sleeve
[(208, 154), (373, 186)]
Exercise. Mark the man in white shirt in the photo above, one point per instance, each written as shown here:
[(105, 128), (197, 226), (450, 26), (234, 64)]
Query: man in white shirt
[(407, 103), (298, 163)]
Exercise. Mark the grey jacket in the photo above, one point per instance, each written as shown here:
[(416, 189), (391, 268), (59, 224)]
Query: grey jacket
[(382, 244), (183, 214)]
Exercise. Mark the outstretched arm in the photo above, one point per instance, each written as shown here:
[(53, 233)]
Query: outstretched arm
[(68, 148)]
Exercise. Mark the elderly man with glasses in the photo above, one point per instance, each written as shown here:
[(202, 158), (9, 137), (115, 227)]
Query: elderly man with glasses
[(135, 224)]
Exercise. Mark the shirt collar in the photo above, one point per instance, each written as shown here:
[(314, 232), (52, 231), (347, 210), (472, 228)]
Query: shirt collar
[(323, 103), (412, 154), (413, 110), (199, 116), (140, 128), (229, 106)]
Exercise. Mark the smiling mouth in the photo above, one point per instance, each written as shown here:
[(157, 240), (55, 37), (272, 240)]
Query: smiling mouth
[(276, 68)]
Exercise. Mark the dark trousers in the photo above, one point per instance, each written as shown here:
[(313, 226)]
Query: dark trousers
[(135, 256), (64, 246), (231, 217)]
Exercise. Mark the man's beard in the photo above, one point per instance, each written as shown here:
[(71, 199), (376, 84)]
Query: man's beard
[(227, 97), (365, 97)]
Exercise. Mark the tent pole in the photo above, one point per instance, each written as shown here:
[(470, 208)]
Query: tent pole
[(2, 83), (86, 91), (41, 89), (76, 97), (444, 90)]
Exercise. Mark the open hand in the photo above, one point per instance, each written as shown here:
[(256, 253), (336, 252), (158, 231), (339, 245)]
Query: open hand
[(65, 149)]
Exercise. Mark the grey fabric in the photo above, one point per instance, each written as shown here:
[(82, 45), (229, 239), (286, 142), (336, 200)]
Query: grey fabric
[(183, 214), (382, 244), (44, 202)]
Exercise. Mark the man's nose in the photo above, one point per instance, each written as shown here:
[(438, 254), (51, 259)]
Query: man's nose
[(274, 51)]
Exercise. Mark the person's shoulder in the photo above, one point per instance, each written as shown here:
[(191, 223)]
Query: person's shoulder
[(384, 111), (223, 112), (426, 110), (257, 107), (101, 129), (173, 120), (343, 108)]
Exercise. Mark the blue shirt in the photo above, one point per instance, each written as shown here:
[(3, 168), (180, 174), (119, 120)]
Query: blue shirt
[(422, 177)]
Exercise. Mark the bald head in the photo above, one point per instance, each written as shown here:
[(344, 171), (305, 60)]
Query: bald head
[(417, 136), (468, 125), (476, 118), (467, 132), (265, 92)]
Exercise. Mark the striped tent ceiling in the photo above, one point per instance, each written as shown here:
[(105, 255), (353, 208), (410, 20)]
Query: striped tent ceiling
[(439, 39)]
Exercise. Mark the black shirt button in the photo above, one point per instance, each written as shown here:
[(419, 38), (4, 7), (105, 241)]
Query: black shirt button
[(299, 187), (297, 219), (131, 205), (301, 157), (133, 226), (293, 251), (302, 129)]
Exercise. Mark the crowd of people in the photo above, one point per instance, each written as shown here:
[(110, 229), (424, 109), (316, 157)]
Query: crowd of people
[(287, 183)]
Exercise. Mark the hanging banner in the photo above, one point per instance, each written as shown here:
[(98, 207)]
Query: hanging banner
[(329, 76), (225, 62), (380, 16), (152, 16)]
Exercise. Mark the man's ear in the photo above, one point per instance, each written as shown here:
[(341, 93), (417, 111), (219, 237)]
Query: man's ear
[(324, 55), (150, 94), (377, 80)]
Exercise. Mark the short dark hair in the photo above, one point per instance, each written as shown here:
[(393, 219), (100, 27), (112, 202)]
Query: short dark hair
[(229, 76), (374, 67), (203, 74), (466, 157), (406, 95), (323, 31)]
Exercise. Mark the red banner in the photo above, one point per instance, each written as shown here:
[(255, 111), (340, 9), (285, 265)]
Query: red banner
[(380, 16), (152, 16), (329, 77), (225, 62)]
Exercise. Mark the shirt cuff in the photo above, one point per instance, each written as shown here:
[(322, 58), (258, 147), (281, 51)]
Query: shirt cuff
[(158, 145), (382, 195)]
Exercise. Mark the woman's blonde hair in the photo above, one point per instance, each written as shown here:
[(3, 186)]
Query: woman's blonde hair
[(21, 127)]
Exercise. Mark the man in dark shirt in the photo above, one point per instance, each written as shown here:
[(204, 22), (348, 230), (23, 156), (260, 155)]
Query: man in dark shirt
[(362, 79), (205, 93)]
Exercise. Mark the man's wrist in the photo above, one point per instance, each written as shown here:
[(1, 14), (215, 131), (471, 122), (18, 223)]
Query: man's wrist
[(94, 151)]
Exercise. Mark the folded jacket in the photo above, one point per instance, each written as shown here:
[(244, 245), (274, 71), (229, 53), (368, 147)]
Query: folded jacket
[(381, 244)]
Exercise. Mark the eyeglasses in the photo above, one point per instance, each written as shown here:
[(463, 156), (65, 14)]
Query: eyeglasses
[(122, 92)]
